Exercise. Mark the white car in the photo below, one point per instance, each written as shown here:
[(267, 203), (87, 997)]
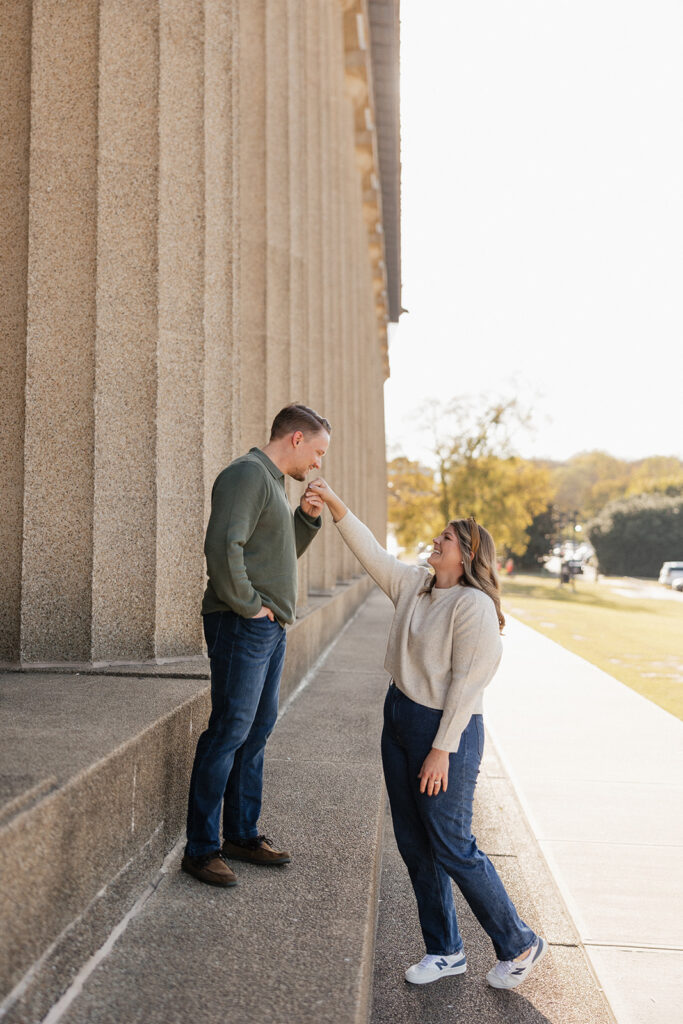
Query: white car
[(670, 572)]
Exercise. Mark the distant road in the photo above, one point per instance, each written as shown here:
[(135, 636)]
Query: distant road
[(629, 586)]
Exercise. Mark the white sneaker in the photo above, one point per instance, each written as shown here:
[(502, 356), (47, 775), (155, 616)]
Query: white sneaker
[(511, 973), (431, 968)]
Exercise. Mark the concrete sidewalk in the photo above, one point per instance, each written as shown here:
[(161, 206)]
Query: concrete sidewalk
[(562, 991), (599, 772), (298, 944)]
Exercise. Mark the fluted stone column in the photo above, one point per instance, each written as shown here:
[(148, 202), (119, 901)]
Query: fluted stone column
[(330, 282), (281, 347), (221, 257), (252, 416), (180, 373), (15, 88), (60, 339), (298, 211), (184, 249), (343, 157), (320, 576), (278, 297), (125, 512)]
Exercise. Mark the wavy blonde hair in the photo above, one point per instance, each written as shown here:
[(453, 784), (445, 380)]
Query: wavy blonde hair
[(478, 551)]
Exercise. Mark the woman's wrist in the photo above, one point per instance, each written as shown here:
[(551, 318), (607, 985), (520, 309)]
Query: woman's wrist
[(338, 510)]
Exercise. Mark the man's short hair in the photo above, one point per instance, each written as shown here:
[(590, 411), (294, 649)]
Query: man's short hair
[(298, 417)]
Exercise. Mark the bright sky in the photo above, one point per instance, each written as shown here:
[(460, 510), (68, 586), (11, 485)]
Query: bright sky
[(543, 218)]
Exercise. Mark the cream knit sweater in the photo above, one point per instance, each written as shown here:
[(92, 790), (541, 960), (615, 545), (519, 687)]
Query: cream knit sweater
[(444, 645)]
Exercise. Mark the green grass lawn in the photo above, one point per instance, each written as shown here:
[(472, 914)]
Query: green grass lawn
[(638, 640)]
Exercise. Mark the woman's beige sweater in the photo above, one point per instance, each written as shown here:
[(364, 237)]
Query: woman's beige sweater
[(444, 645)]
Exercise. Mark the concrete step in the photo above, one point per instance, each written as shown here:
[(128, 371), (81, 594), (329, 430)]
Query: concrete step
[(287, 944), (94, 770)]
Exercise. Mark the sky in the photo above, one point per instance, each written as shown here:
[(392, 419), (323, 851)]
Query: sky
[(542, 229)]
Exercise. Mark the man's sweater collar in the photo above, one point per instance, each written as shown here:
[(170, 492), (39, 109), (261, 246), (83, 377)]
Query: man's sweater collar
[(268, 463)]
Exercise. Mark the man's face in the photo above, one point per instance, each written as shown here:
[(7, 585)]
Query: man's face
[(308, 453)]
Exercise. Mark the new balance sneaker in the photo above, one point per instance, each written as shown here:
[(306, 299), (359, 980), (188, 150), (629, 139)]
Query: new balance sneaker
[(431, 968), (511, 973)]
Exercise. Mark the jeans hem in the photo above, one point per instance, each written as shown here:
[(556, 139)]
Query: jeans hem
[(201, 850), (456, 952), (513, 956)]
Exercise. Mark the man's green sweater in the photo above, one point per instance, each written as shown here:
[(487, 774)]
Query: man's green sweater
[(253, 540)]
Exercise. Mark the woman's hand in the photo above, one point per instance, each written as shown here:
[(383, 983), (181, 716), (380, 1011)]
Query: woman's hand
[(320, 489), (433, 774)]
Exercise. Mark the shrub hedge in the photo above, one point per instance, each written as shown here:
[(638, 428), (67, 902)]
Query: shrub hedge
[(633, 536)]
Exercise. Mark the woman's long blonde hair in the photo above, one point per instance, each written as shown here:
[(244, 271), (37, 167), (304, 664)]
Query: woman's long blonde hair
[(478, 561)]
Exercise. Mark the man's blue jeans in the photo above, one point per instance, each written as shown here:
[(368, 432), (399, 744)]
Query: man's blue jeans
[(246, 663), (434, 833)]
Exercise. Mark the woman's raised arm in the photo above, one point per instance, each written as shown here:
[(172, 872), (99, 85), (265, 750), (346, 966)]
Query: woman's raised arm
[(387, 572)]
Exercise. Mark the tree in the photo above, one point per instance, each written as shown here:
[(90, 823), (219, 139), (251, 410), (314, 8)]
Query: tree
[(413, 507), (504, 494), (463, 433), (588, 481), (541, 534), (659, 474), (476, 473), (633, 536)]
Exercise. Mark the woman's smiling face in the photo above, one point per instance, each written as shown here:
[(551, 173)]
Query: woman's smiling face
[(446, 557)]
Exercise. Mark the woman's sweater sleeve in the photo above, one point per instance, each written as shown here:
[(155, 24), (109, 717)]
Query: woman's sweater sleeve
[(477, 650), (387, 572)]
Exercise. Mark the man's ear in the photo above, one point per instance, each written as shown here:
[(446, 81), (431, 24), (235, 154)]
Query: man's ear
[(297, 438)]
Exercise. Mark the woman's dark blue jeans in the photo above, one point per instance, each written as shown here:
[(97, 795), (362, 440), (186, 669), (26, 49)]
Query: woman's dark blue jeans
[(246, 663), (434, 833)]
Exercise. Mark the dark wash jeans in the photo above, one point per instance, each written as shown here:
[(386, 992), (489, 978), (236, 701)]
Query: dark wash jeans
[(434, 833), (246, 663)]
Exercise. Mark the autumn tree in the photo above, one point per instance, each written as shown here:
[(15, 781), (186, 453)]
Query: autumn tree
[(591, 480), (413, 506), (476, 473)]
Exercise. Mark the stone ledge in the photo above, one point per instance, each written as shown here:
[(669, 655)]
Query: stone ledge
[(74, 859)]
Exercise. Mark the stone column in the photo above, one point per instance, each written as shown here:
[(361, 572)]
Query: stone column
[(298, 212), (344, 156), (353, 337), (329, 231), (280, 346), (60, 339), (320, 576), (278, 308), (125, 512), (15, 88), (180, 395), (252, 222), (221, 258)]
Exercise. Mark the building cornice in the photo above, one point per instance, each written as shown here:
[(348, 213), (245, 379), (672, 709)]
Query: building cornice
[(359, 87)]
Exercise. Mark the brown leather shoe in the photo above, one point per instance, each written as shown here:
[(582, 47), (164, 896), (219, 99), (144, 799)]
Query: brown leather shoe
[(255, 851), (211, 868)]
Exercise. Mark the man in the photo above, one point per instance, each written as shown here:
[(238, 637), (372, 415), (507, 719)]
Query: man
[(252, 545)]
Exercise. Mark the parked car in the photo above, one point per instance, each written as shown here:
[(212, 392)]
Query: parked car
[(669, 572)]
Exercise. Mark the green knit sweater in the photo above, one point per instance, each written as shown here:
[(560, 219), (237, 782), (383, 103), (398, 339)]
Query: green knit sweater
[(253, 540)]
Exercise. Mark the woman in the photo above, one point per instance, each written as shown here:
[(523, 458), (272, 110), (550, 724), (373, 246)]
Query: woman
[(444, 648)]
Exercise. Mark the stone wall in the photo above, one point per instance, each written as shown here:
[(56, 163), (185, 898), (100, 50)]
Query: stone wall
[(191, 239)]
